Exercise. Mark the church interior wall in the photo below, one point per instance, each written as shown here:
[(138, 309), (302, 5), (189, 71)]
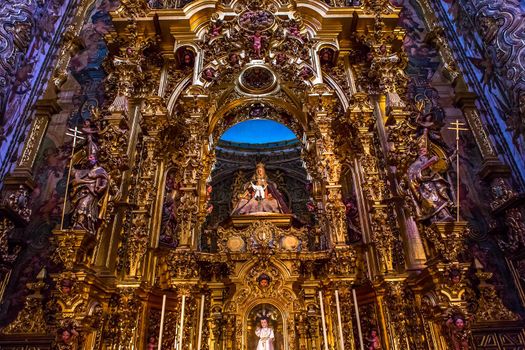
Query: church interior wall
[(151, 92)]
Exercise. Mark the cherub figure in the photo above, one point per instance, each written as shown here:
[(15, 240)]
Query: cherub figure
[(91, 132), (257, 39), (234, 60), (295, 32), (209, 74), (151, 343), (264, 280), (216, 28), (458, 332), (209, 204), (68, 338), (454, 276), (373, 341), (66, 286), (281, 58), (306, 73)]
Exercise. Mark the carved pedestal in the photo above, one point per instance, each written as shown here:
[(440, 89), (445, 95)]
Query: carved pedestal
[(281, 220), (447, 238), (73, 246)]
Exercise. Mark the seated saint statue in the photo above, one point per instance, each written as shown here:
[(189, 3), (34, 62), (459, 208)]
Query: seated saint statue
[(260, 195)]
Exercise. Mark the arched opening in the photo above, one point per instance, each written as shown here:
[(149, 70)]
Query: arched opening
[(353, 222), (257, 131), (265, 321), (241, 150)]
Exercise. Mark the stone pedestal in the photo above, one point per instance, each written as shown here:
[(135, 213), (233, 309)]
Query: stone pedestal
[(280, 220)]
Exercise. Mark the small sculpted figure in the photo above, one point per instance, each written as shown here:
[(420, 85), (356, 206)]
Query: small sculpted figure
[(264, 280), (67, 338), (257, 39), (91, 133), (373, 341), (88, 188), (458, 332), (260, 196), (151, 344), (265, 334), (428, 189), (209, 74)]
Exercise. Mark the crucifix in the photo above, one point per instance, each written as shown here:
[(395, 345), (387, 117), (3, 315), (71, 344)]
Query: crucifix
[(457, 126), (76, 135)]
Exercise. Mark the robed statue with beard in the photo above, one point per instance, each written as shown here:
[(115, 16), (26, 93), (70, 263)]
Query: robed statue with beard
[(89, 189)]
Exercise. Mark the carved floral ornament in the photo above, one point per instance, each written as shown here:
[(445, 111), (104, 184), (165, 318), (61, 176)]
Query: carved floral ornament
[(252, 292), (261, 236)]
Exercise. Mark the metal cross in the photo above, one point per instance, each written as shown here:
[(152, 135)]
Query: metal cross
[(457, 126), (76, 135)]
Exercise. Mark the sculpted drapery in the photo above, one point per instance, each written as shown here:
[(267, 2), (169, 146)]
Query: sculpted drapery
[(260, 196), (266, 336), (89, 187), (428, 189)]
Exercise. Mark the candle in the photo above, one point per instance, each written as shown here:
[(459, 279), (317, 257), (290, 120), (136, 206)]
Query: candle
[(341, 340), (358, 321), (323, 320), (181, 328), (201, 320), (162, 321)]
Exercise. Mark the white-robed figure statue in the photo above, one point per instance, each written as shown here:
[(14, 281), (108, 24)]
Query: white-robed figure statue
[(265, 334), (259, 195)]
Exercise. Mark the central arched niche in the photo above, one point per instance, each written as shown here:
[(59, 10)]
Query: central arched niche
[(276, 109), (275, 321), (235, 164)]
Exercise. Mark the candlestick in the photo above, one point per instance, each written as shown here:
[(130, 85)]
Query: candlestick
[(341, 339), (201, 320), (358, 320), (162, 321), (323, 320), (181, 329)]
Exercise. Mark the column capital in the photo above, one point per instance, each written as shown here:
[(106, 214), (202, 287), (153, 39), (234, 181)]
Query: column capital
[(48, 106)]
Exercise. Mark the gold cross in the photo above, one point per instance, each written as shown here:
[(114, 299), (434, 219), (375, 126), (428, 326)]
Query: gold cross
[(457, 126)]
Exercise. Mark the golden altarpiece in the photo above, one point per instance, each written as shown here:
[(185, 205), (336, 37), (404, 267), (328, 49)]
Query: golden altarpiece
[(179, 77)]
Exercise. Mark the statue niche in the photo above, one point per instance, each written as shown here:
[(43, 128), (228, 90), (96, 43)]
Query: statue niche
[(259, 196), (265, 328), (168, 231), (353, 224)]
